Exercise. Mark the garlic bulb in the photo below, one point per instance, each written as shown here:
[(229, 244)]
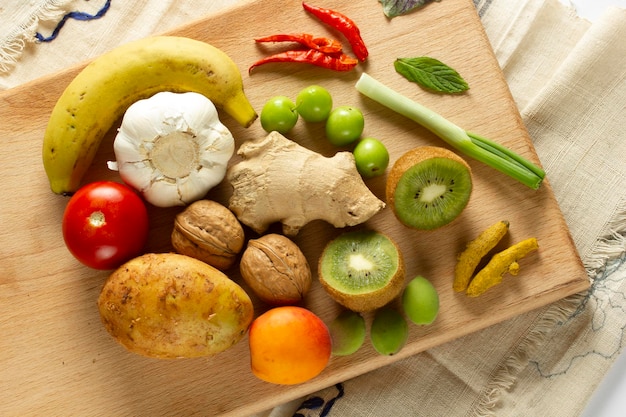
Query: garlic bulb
[(173, 148)]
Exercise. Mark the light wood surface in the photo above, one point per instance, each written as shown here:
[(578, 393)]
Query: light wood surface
[(55, 356)]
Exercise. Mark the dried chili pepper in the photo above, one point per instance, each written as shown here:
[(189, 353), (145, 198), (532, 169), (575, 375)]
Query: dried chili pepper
[(340, 62), (322, 44), (343, 24)]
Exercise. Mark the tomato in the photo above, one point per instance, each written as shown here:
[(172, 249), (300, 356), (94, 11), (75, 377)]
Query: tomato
[(105, 224)]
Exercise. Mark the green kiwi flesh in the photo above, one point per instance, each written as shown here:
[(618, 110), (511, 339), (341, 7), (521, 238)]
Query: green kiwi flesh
[(362, 270), (432, 191)]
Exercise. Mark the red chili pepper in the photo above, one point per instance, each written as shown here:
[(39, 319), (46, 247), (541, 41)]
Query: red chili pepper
[(343, 24), (326, 45), (340, 62)]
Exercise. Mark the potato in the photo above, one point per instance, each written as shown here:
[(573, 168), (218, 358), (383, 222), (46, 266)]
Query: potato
[(173, 306)]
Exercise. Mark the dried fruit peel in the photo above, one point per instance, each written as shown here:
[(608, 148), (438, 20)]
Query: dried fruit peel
[(501, 263), (475, 250)]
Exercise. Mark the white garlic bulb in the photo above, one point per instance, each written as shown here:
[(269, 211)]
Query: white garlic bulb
[(173, 148)]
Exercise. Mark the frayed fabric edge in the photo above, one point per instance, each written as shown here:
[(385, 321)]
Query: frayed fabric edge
[(12, 47), (506, 375), (606, 250), (610, 247)]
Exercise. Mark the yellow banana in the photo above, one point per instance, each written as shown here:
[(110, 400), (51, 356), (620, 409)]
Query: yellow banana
[(104, 89)]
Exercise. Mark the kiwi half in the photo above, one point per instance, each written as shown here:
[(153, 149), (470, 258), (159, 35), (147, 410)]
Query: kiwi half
[(428, 187), (362, 270)]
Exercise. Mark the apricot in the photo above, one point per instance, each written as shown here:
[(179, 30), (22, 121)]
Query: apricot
[(288, 345)]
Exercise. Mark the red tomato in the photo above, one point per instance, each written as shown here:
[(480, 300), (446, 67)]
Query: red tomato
[(105, 224)]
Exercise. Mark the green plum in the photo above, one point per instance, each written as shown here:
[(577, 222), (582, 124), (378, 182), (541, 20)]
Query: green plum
[(371, 157), (420, 301), (314, 103), (279, 114), (347, 331), (389, 331), (344, 125)]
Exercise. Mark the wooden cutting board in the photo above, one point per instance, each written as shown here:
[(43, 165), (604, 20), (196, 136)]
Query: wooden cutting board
[(56, 357)]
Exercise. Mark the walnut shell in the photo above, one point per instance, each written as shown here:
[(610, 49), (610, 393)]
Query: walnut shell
[(276, 269), (210, 232)]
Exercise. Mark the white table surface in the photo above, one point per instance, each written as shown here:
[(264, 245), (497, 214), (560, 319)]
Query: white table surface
[(609, 399), (592, 9)]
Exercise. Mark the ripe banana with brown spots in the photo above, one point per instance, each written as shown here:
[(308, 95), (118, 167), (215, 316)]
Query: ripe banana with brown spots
[(100, 94)]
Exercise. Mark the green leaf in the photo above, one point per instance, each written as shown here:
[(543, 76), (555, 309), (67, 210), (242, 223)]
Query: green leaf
[(431, 73), (393, 8)]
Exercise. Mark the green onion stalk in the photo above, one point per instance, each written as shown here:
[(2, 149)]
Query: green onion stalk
[(471, 144)]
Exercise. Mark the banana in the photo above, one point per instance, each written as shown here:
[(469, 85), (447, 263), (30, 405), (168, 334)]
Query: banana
[(100, 94)]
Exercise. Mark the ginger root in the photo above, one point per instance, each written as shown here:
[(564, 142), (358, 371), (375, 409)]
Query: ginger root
[(281, 181)]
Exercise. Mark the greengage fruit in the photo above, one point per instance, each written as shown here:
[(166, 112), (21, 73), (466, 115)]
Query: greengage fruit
[(344, 125), (420, 301), (279, 114), (314, 103), (288, 345), (389, 331), (347, 332), (371, 157)]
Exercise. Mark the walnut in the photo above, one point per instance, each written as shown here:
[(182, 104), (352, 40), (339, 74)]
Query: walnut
[(210, 232), (276, 269)]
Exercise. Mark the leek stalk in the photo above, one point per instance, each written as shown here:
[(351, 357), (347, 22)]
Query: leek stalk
[(471, 144)]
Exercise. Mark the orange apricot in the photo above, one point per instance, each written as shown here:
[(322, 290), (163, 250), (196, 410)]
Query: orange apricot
[(288, 345)]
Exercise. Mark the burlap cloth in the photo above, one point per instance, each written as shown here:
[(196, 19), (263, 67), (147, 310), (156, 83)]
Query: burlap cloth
[(567, 76)]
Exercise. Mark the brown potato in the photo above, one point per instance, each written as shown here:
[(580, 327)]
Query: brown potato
[(173, 306)]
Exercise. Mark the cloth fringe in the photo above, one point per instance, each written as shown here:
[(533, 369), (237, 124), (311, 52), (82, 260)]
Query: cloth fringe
[(12, 47), (607, 250), (610, 247), (506, 375)]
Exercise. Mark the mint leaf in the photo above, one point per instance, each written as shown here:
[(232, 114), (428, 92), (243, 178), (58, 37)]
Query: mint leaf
[(431, 73), (393, 8)]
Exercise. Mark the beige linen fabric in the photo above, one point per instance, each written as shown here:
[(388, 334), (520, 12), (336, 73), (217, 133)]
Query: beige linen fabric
[(82, 40), (19, 20), (567, 77), (576, 122)]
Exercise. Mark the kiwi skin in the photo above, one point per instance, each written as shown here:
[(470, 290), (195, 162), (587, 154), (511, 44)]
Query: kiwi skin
[(407, 161), (372, 300)]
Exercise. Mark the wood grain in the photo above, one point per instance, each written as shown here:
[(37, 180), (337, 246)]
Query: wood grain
[(56, 356)]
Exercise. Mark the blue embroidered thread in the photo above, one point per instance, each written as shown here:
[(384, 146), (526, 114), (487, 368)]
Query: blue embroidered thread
[(73, 15), (326, 411), (314, 403)]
